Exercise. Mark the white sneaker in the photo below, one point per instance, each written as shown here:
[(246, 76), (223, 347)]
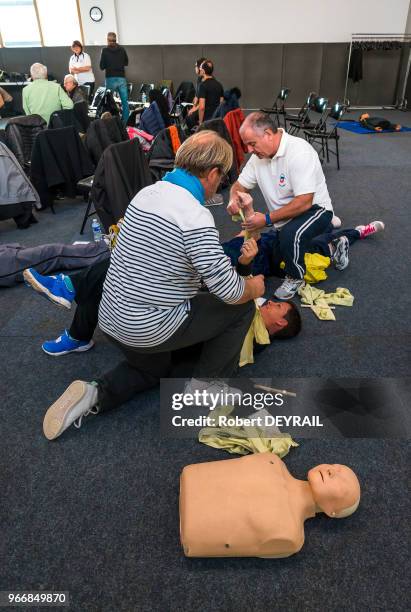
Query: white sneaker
[(336, 222), (340, 258), (203, 390), (289, 288), (77, 401), (371, 228)]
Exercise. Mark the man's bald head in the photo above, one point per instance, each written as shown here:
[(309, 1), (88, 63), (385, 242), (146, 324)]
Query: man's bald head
[(260, 135), (259, 122)]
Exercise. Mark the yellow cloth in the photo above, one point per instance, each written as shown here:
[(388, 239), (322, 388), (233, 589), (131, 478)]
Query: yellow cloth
[(113, 232), (257, 332), (315, 266), (243, 440), (320, 301)]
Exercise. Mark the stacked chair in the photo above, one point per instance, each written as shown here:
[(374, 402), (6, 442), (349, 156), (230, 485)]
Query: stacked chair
[(278, 107), (323, 136)]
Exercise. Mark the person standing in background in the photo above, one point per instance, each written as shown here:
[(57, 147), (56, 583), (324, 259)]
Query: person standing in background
[(80, 67), (197, 66), (113, 60)]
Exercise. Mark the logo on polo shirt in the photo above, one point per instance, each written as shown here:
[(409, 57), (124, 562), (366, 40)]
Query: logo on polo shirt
[(282, 180)]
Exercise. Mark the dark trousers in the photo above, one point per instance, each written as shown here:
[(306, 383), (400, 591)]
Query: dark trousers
[(88, 285), (295, 237), (220, 327), (47, 258), (319, 244)]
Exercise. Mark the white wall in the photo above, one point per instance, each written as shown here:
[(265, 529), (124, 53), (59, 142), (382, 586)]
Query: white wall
[(96, 33), (168, 22)]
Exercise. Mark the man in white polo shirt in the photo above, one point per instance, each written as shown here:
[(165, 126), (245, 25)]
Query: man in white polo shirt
[(289, 174)]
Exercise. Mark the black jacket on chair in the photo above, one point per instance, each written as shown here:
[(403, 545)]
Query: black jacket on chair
[(59, 159), (102, 133), (121, 172)]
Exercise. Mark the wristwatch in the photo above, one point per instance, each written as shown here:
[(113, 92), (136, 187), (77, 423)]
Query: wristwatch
[(268, 222)]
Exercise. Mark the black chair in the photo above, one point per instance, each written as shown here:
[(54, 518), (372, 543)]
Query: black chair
[(81, 118), (323, 136), (20, 134), (145, 88), (99, 93), (319, 107), (303, 114), (86, 89), (278, 107), (101, 134), (84, 187), (186, 92), (61, 118)]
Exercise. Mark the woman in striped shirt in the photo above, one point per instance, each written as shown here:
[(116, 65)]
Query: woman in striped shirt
[(152, 304)]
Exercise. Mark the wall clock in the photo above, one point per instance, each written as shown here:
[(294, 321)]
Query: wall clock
[(96, 14)]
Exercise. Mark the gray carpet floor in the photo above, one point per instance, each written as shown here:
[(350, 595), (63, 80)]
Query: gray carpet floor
[(96, 512)]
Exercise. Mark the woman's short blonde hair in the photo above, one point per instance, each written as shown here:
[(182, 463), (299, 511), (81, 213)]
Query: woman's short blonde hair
[(204, 151)]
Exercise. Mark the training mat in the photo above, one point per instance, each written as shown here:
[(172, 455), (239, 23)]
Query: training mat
[(357, 128)]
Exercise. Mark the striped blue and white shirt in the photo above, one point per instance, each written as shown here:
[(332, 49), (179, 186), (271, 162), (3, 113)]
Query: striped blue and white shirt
[(168, 245)]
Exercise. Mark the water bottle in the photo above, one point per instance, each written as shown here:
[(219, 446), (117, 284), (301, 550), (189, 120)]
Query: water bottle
[(97, 233), (143, 97)]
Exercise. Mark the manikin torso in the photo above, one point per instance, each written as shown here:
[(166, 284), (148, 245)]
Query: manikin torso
[(246, 507)]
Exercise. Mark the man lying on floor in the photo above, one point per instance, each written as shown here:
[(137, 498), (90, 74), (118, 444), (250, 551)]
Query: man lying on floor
[(47, 258), (151, 303), (86, 287)]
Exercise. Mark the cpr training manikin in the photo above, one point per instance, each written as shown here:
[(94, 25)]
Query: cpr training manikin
[(253, 507)]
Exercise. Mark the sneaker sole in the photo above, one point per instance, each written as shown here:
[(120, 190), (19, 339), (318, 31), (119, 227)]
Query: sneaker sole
[(34, 284), (80, 349), (289, 297), (55, 417), (345, 254)]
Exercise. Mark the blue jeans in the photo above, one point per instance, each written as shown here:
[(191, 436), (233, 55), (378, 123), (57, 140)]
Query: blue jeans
[(119, 84)]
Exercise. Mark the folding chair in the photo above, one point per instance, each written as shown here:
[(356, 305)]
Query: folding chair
[(324, 136), (145, 88), (303, 114), (278, 107), (318, 106)]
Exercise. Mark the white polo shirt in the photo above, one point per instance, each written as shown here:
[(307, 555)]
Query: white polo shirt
[(294, 170), (78, 61)]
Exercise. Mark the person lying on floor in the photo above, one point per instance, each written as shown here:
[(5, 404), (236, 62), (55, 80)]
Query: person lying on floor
[(47, 258), (151, 303), (85, 288)]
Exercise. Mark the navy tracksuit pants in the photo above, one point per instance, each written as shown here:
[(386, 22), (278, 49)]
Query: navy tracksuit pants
[(295, 237)]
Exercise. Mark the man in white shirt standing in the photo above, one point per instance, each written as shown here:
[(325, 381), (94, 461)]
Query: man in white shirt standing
[(289, 174), (80, 66)]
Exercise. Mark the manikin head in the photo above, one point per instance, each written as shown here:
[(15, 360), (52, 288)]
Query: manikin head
[(260, 135), (111, 39), (208, 157), (70, 83), (335, 489), (282, 319)]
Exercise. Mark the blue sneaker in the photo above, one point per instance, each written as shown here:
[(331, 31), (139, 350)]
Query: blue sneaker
[(65, 344), (58, 289)]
